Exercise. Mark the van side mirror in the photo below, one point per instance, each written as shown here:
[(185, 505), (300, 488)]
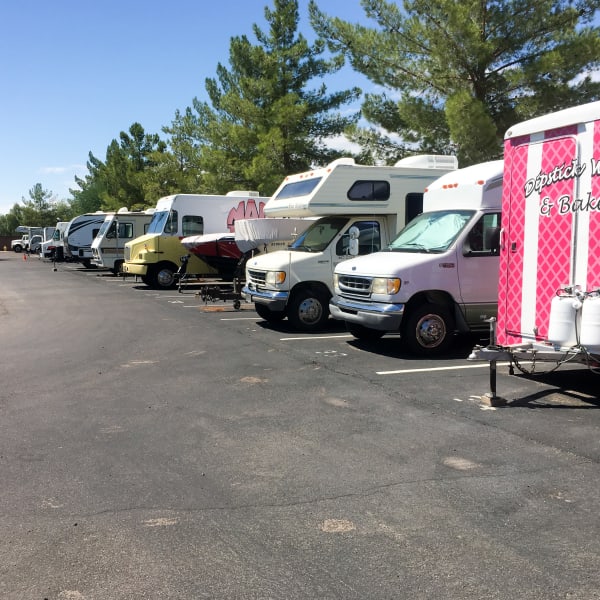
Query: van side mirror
[(354, 234)]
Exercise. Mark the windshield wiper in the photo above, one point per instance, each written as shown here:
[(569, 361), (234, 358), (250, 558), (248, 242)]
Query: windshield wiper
[(411, 248)]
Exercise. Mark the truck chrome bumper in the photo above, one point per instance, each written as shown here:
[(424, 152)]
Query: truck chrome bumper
[(276, 301), (384, 317)]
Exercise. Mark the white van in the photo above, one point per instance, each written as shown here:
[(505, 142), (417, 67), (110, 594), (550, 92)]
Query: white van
[(439, 275)]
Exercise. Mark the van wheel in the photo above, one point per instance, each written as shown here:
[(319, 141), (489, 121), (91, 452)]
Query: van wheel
[(361, 332), (270, 316), (162, 276), (118, 267), (428, 330), (308, 310)]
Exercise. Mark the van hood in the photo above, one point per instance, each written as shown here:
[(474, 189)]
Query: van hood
[(386, 264), (270, 261)]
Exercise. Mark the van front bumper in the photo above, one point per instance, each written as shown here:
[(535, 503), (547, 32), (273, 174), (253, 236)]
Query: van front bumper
[(383, 317), (275, 300), (135, 269)]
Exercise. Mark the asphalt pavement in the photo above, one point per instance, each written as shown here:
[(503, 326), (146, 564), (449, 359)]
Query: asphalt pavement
[(157, 446)]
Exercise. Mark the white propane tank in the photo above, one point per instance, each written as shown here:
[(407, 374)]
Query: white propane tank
[(565, 318), (590, 324)]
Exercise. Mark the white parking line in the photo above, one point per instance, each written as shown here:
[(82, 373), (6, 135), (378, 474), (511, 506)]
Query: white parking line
[(317, 337), (454, 368)]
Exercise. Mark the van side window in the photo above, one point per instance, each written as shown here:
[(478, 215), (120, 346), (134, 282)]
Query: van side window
[(192, 225), (413, 206), (369, 239), (369, 190), (484, 237)]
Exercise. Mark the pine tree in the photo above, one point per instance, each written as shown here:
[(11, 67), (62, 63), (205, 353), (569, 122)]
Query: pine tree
[(266, 118), (457, 75)]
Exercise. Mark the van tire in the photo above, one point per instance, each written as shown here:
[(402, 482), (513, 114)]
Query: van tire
[(428, 329), (308, 310), (270, 316), (117, 269), (162, 276), (360, 332)]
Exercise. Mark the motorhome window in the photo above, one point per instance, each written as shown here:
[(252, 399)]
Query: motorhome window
[(298, 188), (319, 235), (56, 235), (369, 190), (413, 206), (432, 231), (146, 226), (369, 239), (125, 231), (192, 225), (484, 237)]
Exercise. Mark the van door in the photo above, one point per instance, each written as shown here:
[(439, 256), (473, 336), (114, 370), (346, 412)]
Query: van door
[(478, 270)]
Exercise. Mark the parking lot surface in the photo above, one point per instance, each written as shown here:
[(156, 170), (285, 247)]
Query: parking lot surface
[(157, 446)]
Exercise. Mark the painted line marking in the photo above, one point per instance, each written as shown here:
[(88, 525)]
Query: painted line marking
[(317, 337), (238, 318), (454, 368)]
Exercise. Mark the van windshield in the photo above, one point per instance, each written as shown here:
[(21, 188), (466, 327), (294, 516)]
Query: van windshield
[(163, 222), (431, 232), (319, 235), (103, 228)]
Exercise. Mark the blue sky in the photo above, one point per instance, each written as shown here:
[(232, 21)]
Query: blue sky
[(76, 73)]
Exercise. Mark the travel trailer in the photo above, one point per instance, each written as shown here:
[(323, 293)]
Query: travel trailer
[(440, 274), (80, 234), (118, 229), (549, 279), (360, 208), (156, 256)]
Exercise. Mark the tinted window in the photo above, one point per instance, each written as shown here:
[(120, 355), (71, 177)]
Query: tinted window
[(192, 225), (298, 188), (369, 239), (369, 190)]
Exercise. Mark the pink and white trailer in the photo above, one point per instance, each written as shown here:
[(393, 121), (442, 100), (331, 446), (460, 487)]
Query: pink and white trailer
[(549, 277)]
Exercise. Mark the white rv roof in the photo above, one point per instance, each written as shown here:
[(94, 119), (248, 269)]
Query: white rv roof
[(477, 186), (561, 118)]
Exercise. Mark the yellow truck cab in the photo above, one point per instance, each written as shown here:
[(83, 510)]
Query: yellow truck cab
[(156, 256)]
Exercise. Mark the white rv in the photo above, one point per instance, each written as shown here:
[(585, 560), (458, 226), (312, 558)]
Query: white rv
[(361, 209), (54, 247), (156, 256), (80, 234), (439, 275), (118, 229)]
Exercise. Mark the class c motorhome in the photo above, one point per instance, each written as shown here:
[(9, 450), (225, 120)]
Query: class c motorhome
[(360, 209)]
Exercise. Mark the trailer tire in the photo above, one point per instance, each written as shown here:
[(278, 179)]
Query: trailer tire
[(308, 310), (360, 332), (265, 313), (428, 329)]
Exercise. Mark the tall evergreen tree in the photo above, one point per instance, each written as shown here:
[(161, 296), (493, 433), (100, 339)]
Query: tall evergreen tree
[(458, 74), (119, 180), (266, 117)]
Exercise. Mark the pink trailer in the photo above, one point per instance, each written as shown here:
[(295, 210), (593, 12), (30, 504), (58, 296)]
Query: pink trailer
[(549, 278)]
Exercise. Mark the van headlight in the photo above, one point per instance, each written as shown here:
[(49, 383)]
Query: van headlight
[(336, 282), (275, 277), (386, 286)]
